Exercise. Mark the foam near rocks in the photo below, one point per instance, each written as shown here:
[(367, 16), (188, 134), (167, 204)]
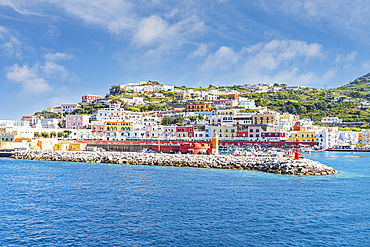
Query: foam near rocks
[(279, 165)]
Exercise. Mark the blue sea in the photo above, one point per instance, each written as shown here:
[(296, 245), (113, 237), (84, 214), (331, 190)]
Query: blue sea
[(83, 204)]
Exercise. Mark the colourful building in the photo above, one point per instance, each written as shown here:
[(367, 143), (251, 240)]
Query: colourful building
[(265, 118), (76, 121), (90, 98), (118, 126), (303, 137), (98, 129), (360, 137), (224, 131), (225, 112), (185, 131), (205, 107)]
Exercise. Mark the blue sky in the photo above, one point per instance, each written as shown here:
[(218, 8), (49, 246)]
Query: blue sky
[(54, 51)]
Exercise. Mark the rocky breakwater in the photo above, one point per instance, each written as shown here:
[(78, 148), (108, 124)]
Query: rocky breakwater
[(279, 165)]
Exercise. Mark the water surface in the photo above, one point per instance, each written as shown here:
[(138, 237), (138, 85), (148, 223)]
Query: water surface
[(59, 203)]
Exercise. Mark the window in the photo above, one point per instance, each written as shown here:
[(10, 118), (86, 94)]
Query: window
[(251, 135), (257, 135), (257, 130), (220, 135), (251, 130)]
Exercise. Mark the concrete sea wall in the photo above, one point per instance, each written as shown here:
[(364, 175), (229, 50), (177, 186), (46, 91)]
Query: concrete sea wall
[(278, 165)]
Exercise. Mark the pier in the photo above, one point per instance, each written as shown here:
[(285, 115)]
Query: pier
[(278, 165)]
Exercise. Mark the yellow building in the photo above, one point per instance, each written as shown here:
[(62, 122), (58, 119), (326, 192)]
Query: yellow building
[(74, 147), (286, 116), (205, 107), (225, 112), (184, 96), (118, 126), (303, 137), (224, 131), (265, 119)]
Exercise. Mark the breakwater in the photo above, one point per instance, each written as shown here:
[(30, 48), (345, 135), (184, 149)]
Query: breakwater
[(279, 165)]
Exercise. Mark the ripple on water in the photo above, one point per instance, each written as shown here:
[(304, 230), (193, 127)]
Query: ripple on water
[(53, 203)]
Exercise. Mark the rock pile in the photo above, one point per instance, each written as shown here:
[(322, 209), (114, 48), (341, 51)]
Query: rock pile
[(279, 165)]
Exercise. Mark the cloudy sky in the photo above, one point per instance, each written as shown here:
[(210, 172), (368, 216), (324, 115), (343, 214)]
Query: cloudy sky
[(54, 51)]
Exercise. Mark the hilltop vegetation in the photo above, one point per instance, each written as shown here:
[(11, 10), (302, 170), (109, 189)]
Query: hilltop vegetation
[(307, 103)]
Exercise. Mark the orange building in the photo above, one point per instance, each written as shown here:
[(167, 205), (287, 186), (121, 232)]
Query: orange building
[(205, 107)]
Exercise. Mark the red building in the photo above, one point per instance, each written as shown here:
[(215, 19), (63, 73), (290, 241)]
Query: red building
[(273, 134), (187, 147), (98, 130), (32, 120), (185, 131), (90, 98)]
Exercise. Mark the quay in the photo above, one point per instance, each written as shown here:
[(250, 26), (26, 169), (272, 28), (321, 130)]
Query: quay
[(6, 153), (278, 165)]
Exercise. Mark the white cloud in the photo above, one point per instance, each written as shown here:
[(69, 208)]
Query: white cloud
[(35, 80), (263, 55), (114, 15), (150, 29), (50, 69), (222, 59), (350, 57), (366, 65), (346, 17), (29, 77), (274, 61), (200, 52), (52, 32), (10, 45), (58, 56)]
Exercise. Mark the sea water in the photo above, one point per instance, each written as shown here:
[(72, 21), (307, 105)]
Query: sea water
[(82, 204)]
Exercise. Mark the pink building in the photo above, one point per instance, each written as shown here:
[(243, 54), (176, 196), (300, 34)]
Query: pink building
[(76, 121), (169, 132), (90, 98)]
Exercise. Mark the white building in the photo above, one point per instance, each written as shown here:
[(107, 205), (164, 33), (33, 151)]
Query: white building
[(326, 139), (331, 120), (68, 107), (247, 103), (199, 135)]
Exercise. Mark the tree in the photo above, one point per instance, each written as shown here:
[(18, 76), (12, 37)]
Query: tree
[(67, 133), (200, 116), (302, 109), (166, 120), (37, 134), (178, 120), (45, 134), (53, 134), (60, 134), (193, 118)]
